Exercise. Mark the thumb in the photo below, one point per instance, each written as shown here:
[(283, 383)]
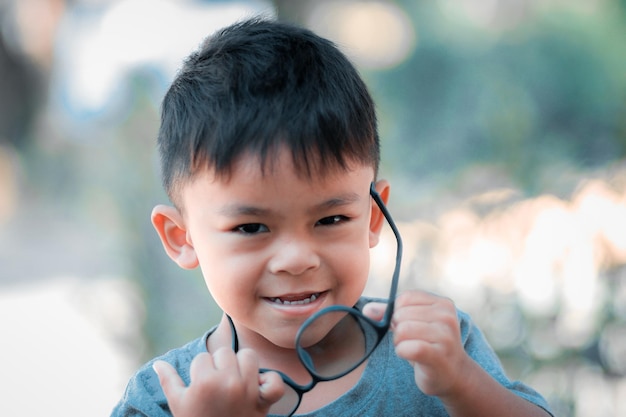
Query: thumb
[(374, 310), (271, 388), (170, 381)]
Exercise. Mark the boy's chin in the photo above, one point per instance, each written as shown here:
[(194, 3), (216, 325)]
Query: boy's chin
[(282, 341), (287, 340)]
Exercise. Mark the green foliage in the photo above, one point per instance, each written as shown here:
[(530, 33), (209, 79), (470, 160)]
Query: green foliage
[(551, 88)]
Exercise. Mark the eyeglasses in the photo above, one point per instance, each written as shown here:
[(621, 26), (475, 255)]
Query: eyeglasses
[(334, 355)]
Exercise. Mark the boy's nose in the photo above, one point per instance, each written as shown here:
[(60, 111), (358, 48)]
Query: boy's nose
[(295, 257)]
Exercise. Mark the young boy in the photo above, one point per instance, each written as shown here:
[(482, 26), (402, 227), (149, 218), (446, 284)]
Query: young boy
[(269, 147)]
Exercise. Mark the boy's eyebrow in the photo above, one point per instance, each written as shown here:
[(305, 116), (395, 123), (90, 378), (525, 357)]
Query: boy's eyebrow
[(338, 201), (234, 210)]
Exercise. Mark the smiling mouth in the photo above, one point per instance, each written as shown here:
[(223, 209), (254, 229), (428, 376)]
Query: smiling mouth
[(295, 300)]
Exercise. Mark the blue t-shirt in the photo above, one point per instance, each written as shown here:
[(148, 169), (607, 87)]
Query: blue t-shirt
[(386, 388)]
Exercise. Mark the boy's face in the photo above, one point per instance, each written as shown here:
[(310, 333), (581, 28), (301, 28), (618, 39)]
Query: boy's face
[(276, 247)]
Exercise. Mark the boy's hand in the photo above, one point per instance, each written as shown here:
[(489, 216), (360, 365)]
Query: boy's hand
[(222, 384), (426, 333)]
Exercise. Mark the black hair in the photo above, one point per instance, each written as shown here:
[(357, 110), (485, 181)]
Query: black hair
[(258, 84)]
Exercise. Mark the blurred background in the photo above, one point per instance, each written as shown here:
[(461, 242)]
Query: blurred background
[(504, 136)]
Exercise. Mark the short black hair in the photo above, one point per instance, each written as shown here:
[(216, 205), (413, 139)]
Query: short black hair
[(258, 84)]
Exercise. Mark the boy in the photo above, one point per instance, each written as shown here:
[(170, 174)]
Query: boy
[(270, 152)]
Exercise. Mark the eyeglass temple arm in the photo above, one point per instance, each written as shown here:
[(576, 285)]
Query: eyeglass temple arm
[(233, 334), (396, 272)]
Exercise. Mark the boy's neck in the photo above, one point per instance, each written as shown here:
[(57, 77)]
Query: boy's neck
[(270, 356)]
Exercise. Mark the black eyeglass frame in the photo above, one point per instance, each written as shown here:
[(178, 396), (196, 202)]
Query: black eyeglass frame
[(381, 327)]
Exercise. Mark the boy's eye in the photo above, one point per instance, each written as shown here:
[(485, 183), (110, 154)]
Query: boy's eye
[(331, 220), (251, 228)]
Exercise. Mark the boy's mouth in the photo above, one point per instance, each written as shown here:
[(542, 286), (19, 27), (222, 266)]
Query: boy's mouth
[(295, 299)]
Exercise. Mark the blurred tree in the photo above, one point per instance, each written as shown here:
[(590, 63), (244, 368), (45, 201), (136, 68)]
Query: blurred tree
[(547, 90), (292, 10), (20, 95)]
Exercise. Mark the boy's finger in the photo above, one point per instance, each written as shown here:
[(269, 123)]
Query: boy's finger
[(170, 381), (248, 367), (271, 388), (374, 310), (200, 366)]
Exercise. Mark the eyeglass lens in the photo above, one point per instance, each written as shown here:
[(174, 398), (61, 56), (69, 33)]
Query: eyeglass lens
[(349, 343)]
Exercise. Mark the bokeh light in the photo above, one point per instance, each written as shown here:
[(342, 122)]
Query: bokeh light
[(375, 34)]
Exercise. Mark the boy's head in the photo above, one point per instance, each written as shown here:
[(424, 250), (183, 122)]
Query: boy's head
[(258, 86), (269, 147)]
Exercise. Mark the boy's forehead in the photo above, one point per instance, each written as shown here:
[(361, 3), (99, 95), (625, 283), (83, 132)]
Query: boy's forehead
[(249, 184), (282, 163)]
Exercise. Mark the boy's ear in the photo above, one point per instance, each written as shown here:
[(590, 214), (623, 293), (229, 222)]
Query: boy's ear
[(170, 226), (378, 219)]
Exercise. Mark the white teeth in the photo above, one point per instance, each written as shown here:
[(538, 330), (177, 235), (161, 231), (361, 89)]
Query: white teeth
[(298, 302)]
